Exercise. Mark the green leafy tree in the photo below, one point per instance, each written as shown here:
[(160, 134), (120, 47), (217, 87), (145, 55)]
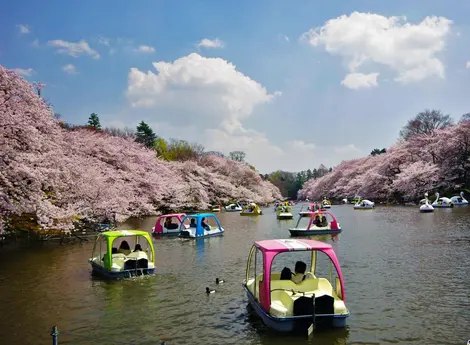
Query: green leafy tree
[(94, 121), (238, 156), (161, 146), (145, 135), (425, 122), (375, 152), (465, 118)]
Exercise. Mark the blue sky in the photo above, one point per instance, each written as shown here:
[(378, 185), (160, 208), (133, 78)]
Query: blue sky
[(290, 99)]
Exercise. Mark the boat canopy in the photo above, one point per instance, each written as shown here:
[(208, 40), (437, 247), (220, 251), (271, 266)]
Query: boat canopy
[(111, 236), (270, 248), (311, 215), (198, 221), (159, 223)]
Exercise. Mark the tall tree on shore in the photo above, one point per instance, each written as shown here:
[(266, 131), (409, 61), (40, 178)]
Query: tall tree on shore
[(94, 122), (375, 152), (465, 118), (425, 122), (145, 135), (238, 156)]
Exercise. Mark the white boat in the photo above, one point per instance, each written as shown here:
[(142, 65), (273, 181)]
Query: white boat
[(345, 201), (233, 208), (459, 200), (315, 223), (216, 208), (364, 205), (425, 207), (442, 202)]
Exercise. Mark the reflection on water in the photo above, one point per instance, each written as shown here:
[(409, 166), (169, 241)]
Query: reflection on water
[(406, 276)]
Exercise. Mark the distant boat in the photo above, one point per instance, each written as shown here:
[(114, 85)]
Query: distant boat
[(364, 205), (459, 200), (233, 208), (443, 202), (199, 227), (425, 207), (251, 209), (325, 204), (310, 227), (284, 211), (164, 224)]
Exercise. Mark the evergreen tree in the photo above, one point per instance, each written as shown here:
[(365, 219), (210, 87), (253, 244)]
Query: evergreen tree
[(94, 121), (145, 135)]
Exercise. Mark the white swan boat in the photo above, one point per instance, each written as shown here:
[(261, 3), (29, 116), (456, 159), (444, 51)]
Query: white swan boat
[(459, 200), (425, 207), (233, 208), (442, 202), (364, 205)]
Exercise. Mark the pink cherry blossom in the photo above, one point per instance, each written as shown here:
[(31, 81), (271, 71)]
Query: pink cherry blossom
[(58, 174), (439, 159)]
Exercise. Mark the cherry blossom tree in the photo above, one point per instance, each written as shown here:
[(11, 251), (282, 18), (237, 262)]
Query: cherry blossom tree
[(437, 158), (55, 174)]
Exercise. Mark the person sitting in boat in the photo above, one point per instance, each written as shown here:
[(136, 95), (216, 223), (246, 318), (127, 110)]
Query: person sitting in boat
[(323, 222), (317, 220), (138, 248), (124, 248), (169, 224), (299, 275), (193, 223), (114, 250), (204, 224)]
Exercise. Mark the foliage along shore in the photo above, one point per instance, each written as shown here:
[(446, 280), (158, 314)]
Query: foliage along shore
[(51, 175), (432, 155)]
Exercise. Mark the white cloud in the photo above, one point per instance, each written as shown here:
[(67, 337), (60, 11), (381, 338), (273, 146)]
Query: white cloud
[(359, 80), (104, 41), (35, 43), (209, 88), (24, 29), (347, 150), (468, 64), (145, 49), (24, 72), (301, 145), (207, 43), (70, 69), (409, 49), (74, 49), (283, 37)]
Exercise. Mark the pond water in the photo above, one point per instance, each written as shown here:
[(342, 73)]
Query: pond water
[(407, 279)]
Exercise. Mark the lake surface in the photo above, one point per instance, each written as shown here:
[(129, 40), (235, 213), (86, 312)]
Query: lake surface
[(407, 279)]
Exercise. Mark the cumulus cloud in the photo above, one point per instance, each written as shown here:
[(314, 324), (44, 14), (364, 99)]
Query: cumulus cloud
[(207, 43), (347, 149), (145, 49), (359, 80), (365, 38), (24, 72), (301, 145), (210, 88), (24, 29), (70, 69), (74, 49)]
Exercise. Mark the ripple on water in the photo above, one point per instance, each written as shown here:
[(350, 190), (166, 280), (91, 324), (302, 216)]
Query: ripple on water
[(406, 280)]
